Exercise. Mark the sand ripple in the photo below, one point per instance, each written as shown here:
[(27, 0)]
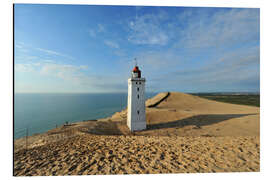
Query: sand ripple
[(90, 154)]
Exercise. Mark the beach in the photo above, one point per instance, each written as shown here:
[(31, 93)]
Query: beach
[(185, 134)]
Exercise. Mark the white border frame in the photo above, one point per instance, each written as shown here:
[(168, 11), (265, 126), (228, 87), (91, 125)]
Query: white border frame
[(6, 69)]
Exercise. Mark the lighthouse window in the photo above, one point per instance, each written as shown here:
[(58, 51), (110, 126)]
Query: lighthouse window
[(138, 112), (138, 96), (136, 83), (139, 82), (138, 89)]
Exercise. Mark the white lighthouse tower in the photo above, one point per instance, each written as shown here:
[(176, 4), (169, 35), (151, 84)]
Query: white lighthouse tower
[(136, 101)]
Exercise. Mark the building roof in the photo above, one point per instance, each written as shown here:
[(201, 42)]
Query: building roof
[(136, 69)]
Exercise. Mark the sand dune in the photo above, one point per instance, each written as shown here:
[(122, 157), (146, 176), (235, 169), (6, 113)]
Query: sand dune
[(187, 115), (184, 133)]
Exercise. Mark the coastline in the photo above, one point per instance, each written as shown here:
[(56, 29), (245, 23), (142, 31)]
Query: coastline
[(151, 102), (40, 113), (185, 133)]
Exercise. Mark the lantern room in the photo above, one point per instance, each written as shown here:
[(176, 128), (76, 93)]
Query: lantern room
[(136, 73)]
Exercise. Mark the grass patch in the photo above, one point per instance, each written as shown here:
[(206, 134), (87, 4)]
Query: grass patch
[(250, 100)]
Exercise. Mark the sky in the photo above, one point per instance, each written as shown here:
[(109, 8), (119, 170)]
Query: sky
[(91, 49)]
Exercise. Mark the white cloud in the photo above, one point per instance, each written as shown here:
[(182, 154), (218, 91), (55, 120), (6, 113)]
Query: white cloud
[(50, 68), (21, 47), (74, 78), (63, 71), (236, 68), (147, 29), (18, 46), (48, 61), (154, 61), (221, 29), (37, 64), (95, 31), (23, 57), (83, 67), (101, 28), (50, 52), (111, 44), (24, 67)]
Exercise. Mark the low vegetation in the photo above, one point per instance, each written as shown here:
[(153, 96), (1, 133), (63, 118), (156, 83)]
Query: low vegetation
[(251, 100)]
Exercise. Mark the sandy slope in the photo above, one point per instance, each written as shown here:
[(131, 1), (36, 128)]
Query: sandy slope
[(139, 154), (186, 115), (185, 133)]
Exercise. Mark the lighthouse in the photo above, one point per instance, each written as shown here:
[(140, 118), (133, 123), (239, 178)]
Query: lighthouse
[(136, 101)]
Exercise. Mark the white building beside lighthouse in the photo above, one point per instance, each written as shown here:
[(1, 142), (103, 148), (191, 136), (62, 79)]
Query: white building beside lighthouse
[(136, 101)]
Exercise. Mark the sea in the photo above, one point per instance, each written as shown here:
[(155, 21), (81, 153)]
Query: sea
[(40, 112)]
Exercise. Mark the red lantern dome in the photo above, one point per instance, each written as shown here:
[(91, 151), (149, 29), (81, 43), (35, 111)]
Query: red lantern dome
[(137, 71)]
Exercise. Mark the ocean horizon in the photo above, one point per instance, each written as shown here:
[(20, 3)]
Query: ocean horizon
[(40, 112)]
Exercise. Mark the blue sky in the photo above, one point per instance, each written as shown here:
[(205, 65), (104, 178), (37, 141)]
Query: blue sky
[(86, 48)]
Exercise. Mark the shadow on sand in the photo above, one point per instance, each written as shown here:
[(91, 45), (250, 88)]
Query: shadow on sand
[(198, 121), (103, 128), (112, 128)]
